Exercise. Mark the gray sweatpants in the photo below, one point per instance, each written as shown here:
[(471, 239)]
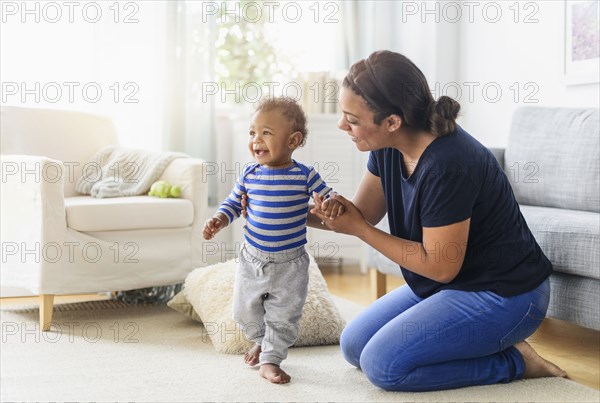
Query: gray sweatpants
[(268, 297)]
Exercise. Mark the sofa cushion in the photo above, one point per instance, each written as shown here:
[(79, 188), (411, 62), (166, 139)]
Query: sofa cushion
[(569, 238), (88, 214), (575, 299), (552, 159)]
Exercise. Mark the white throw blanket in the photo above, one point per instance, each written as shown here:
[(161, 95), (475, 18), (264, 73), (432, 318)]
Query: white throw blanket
[(116, 172)]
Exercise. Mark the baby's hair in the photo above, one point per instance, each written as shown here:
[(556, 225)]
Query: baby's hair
[(290, 109)]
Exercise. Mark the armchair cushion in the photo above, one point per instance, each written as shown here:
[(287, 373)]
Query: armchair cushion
[(122, 172), (89, 214)]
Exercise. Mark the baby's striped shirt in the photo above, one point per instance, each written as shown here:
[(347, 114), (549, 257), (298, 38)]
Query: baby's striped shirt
[(278, 204)]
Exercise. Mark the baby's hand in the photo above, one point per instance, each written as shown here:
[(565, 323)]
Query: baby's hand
[(212, 226), (332, 208)]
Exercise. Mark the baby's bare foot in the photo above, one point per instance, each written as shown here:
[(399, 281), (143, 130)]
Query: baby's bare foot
[(536, 366), (273, 373), (251, 356)]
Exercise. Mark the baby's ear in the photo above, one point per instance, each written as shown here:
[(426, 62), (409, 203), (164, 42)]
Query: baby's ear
[(295, 140)]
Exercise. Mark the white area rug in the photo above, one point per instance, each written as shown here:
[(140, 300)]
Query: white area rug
[(108, 351)]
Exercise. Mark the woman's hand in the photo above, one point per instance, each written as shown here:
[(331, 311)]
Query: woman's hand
[(351, 222)]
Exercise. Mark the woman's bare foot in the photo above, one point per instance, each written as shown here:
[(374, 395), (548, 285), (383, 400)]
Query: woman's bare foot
[(536, 366), (273, 373), (251, 356)]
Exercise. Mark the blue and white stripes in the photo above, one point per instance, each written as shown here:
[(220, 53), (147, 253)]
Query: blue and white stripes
[(278, 204)]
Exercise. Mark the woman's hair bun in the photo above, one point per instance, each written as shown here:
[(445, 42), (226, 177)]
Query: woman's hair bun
[(443, 115)]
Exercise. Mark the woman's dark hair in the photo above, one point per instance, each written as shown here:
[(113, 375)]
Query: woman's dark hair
[(391, 84), (290, 109)]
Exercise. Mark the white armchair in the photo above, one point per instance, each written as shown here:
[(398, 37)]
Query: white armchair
[(56, 241)]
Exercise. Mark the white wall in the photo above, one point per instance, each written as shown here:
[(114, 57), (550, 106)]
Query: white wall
[(509, 52), (493, 56), (99, 57)]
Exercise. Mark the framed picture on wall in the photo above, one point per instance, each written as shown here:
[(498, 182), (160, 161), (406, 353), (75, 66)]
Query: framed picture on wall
[(582, 42)]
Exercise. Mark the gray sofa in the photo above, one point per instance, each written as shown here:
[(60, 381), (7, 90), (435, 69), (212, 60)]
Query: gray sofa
[(552, 162)]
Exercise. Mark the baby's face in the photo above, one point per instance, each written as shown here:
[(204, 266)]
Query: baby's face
[(271, 141)]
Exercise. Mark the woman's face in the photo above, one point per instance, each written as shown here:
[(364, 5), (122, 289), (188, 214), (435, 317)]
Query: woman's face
[(357, 121)]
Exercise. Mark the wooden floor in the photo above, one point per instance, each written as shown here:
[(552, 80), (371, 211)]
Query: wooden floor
[(573, 348)]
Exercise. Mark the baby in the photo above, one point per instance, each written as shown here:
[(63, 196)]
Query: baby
[(272, 273)]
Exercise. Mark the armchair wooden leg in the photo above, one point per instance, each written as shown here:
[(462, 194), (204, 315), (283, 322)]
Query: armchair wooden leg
[(378, 283), (46, 305)]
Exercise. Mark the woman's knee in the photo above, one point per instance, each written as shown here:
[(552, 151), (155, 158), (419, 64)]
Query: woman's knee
[(385, 371), (352, 344)]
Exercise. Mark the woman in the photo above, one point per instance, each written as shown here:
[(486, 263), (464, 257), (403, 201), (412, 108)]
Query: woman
[(477, 282)]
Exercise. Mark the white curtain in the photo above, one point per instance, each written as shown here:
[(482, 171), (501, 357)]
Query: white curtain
[(405, 27), (189, 114), (367, 26), (146, 60)]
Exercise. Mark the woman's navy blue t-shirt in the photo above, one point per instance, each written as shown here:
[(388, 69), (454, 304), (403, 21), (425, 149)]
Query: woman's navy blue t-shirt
[(458, 178)]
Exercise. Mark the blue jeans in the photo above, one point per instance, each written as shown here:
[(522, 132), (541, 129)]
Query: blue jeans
[(448, 340)]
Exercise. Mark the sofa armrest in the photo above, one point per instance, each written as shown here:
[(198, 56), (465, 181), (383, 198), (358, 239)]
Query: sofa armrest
[(191, 175), (499, 154), (32, 217)]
